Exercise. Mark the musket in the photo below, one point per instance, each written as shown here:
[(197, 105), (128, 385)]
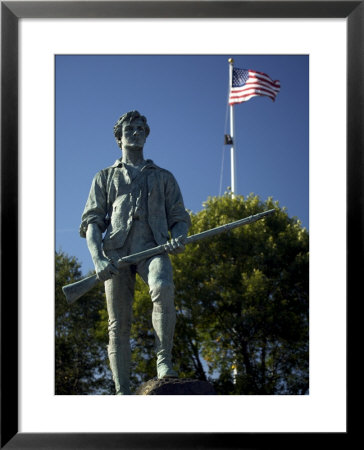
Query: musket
[(76, 290)]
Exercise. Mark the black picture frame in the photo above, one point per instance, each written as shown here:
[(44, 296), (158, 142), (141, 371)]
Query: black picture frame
[(11, 12)]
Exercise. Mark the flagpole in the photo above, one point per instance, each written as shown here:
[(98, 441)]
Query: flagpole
[(232, 134)]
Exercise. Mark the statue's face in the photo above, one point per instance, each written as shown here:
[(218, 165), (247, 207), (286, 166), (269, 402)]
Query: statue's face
[(133, 137)]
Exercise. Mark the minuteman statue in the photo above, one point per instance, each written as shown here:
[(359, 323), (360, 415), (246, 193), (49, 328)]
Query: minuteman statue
[(136, 204)]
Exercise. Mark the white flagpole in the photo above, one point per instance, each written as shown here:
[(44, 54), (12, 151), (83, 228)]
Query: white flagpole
[(232, 149)]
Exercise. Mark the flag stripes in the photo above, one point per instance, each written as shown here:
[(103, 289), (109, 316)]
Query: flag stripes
[(250, 83)]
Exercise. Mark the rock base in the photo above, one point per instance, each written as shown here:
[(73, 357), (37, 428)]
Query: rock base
[(175, 386)]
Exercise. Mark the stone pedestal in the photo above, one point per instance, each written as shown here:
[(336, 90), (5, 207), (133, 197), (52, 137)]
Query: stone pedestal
[(175, 386)]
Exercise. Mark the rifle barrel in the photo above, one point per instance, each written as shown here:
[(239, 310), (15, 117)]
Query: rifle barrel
[(228, 226)]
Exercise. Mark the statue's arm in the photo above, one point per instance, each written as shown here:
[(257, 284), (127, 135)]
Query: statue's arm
[(178, 234), (95, 210), (179, 229), (178, 218), (93, 224), (103, 267)]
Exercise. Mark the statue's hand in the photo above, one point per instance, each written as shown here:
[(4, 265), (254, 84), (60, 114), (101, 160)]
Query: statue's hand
[(105, 269), (175, 245)]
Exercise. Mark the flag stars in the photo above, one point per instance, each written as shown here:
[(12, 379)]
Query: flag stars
[(240, 77)]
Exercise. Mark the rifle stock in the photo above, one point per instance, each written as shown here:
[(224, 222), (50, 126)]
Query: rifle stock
[(76, 290)]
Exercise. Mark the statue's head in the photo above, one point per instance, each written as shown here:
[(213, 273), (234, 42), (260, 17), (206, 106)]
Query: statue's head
[(125, 120)]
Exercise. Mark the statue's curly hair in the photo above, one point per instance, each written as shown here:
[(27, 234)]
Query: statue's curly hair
[(128, 117)]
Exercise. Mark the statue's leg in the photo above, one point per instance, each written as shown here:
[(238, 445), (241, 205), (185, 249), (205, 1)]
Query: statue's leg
[(119, 297), (157, 272)]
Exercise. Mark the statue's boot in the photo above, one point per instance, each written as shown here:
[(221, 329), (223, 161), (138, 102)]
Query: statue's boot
[(163, 324), (119, 358)]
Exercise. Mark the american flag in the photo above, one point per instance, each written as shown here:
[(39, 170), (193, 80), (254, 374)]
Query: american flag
[(249, 83)]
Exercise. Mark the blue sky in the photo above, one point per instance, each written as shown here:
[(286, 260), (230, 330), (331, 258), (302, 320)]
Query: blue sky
[(185, 101)]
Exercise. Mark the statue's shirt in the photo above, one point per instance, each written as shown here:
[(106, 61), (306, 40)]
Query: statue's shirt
[(120, 195)]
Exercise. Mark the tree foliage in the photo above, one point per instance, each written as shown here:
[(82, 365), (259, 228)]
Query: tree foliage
[(80, 353), (242, 300)]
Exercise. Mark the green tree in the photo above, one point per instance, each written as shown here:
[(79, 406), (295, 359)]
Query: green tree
[(81, 366), (242, 301)]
